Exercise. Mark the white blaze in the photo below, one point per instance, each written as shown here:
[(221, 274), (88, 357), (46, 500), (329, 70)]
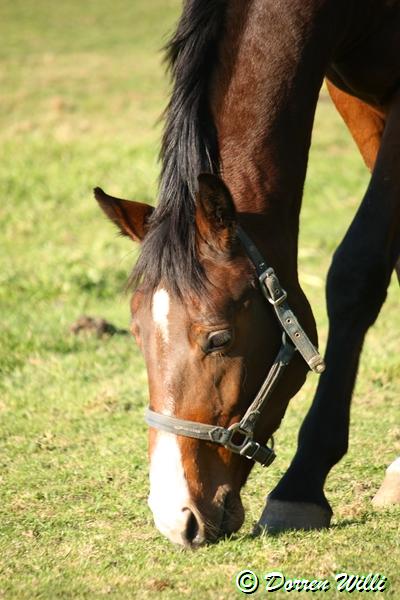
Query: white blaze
[(160, 310), (169, 493)]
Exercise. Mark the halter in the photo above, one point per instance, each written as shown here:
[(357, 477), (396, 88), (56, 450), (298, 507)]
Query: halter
[(238, 437)]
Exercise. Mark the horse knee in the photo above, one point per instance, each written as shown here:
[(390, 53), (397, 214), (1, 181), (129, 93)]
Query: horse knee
[(356, 288)]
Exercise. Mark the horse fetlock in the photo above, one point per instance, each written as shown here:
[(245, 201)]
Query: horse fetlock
[(279, 515)]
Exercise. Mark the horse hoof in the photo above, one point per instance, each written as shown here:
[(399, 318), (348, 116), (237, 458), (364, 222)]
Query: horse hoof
[(281, 516), (389, 492)]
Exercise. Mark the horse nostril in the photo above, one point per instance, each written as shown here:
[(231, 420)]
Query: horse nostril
[(191, 527)]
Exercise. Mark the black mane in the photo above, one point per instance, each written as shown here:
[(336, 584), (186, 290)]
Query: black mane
[(189, 147)]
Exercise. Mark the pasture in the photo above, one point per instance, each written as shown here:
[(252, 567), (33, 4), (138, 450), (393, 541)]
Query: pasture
[(82, 86)]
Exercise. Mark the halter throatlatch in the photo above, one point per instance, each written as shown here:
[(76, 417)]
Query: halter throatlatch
[(238, 437)]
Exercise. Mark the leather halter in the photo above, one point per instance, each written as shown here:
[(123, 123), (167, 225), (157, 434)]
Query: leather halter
[(238, 437)]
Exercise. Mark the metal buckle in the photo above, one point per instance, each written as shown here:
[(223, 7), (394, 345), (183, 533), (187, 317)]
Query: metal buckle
[(250, 449), (269, 273), (279, 300), (238, 448), (261, 454)]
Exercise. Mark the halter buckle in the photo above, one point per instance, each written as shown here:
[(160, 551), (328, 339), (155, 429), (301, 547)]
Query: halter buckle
[(237, 429), (261, 454), (249, 448), (266, 291), (279, 300)]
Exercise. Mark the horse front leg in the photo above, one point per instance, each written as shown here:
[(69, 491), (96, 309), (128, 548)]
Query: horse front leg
[(356, 289)]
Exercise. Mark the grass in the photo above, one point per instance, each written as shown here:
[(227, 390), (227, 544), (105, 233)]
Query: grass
[(82, 86)]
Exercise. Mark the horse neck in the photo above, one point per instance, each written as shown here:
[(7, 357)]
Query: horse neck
[(272, 61)]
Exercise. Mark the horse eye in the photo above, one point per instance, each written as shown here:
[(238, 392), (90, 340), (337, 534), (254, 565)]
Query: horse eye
[(218, 340)]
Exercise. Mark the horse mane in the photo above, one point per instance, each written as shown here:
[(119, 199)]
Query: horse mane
[(189, 147)]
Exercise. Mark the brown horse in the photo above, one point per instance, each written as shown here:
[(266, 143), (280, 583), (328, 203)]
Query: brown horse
[(246, 81)]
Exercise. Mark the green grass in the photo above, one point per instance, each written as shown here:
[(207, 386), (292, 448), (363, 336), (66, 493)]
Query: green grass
[(82, 86)]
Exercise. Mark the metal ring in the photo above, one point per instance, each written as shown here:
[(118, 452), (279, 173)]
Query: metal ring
[(233, 429)]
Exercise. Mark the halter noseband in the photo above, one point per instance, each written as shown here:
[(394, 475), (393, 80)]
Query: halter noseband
[(238, 437)]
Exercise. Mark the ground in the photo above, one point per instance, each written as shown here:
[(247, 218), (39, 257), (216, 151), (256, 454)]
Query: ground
[(82, 86)]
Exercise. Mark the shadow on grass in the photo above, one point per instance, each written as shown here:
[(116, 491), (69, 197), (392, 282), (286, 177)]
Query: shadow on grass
[(343, 524)]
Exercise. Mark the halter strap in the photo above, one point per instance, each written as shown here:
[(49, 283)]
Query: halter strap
[(238, 438), (276, 295)]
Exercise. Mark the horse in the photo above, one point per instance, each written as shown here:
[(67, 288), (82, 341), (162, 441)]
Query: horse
[(226, 331)]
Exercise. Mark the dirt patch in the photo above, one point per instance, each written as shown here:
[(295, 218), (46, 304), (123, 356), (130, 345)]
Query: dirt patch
[(95, 326)]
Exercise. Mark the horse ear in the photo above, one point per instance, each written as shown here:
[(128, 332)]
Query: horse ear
[(130, 217), (215, 212)]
